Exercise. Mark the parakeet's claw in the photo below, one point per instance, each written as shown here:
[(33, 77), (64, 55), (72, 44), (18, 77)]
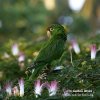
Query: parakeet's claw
[(30, 67)]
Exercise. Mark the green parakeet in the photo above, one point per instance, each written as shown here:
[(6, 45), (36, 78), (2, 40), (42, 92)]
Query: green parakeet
[(51, 51)]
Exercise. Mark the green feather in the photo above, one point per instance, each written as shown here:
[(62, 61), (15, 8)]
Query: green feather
[(52, 50)]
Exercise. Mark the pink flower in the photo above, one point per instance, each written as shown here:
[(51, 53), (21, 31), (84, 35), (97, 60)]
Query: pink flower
[(38, 88), (21, 86), (21, 57), (15, 91), (75, 46), (8, 89), (93, 51), (15, 49), (52, 88)]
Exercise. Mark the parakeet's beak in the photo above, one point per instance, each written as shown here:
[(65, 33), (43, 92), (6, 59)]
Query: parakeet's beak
[(48, 33)]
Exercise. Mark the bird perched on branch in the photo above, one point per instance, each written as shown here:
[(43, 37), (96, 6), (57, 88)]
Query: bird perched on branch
[(51, 51)]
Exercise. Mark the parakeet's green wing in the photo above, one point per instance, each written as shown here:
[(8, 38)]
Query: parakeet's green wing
[(52, 51)]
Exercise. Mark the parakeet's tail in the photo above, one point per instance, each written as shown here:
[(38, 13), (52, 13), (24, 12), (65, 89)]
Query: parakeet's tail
[(32, 78)]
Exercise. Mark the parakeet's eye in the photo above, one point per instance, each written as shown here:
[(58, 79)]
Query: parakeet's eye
[(51, 29)]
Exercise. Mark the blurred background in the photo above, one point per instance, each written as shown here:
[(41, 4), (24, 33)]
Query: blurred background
[(30, 18), (23, 25)]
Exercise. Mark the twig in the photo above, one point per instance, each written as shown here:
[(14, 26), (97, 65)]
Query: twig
[(71, 56)]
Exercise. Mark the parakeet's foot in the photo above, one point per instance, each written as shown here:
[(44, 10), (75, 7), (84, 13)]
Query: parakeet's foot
[(30, 67)]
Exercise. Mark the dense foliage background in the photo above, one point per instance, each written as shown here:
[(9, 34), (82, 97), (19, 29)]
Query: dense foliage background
[(24, 22)]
